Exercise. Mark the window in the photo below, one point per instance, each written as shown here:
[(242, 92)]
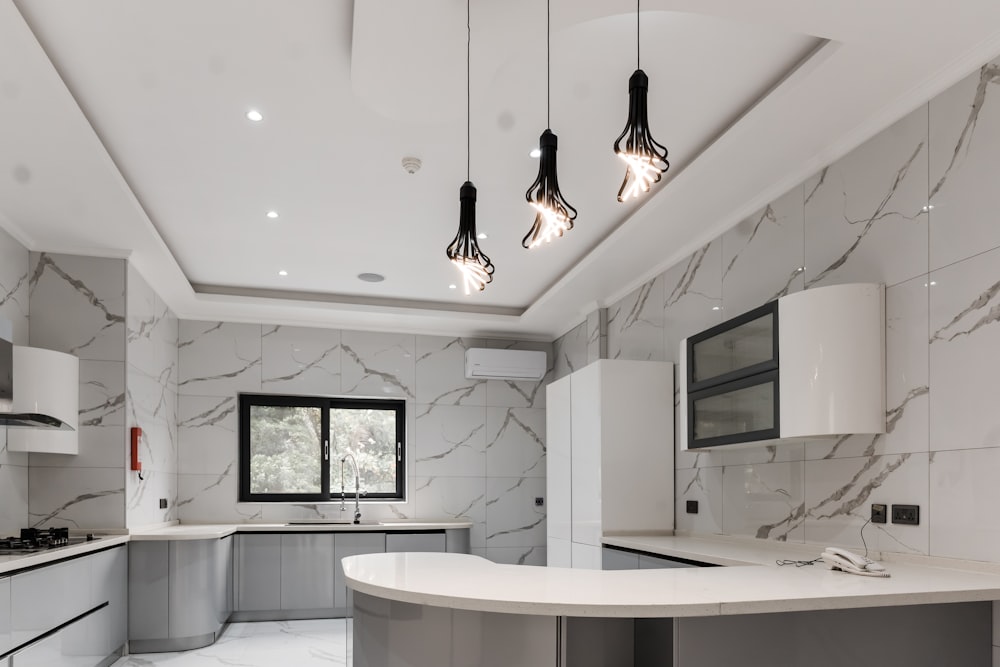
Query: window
[(292, 447)]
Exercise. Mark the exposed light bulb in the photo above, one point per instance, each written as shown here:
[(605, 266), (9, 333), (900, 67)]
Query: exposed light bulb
[(641, 173), (474, 275), (554, 224)]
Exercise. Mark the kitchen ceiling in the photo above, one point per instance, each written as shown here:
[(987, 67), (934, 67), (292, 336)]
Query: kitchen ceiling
[(123, 133)]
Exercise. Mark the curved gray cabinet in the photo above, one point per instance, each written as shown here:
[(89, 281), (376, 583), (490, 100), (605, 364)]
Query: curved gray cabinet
[(180, 593), (6, 642)]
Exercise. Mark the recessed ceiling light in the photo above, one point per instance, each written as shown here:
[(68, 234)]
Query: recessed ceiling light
[(536, 152), (716, 307), (272, 214), (255, 115), (452, 286), (371, 277), (282, 273), (482, 235)]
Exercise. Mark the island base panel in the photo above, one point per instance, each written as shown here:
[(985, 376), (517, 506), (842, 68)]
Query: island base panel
[(397, 634), (934, 634)]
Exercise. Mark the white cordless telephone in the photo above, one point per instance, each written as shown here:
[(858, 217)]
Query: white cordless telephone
[(847, 561)]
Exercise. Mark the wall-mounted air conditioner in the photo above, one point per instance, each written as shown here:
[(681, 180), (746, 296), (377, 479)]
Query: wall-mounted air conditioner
[(489, 364)]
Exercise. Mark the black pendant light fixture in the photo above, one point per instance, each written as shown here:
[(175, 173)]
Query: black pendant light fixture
[(645, 158), (553, 214), (463, 251)]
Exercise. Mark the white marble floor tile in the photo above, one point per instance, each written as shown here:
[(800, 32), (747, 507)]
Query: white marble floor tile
[(311, 643)]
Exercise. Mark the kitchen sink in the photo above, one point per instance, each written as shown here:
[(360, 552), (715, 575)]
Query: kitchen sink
[(330, 522)]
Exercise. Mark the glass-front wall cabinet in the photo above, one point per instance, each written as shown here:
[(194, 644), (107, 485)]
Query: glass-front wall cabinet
[(732, 380)]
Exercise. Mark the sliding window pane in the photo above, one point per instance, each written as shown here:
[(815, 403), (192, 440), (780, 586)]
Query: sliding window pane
[(285, 449), (369, 435)]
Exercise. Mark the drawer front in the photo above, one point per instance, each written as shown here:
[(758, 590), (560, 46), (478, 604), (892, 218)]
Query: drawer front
[(396, 542), (32, 594), (6, 642), (82, 644)]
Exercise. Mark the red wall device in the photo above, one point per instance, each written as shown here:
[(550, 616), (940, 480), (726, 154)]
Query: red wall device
[(136, 437)]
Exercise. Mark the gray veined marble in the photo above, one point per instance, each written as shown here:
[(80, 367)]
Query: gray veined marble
[(635, 324), (512, 518), (218, 358), (597, 335), (984, 310), (450, 441), (515, 442), (571, 350), (301, 360), (378, 364)]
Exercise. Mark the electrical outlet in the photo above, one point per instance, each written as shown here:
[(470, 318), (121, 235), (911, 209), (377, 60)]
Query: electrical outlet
[(163, 503), (692, 506), (906, 514), (539, 502), (878, 513)]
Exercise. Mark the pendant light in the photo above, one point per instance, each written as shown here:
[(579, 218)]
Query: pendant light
[(553, 214), (645, 158), (463, 251)]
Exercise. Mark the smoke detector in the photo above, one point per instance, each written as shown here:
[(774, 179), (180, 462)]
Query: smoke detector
[(411, 164)]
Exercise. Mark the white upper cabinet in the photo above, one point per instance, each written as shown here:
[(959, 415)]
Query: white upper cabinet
[(811, 364)]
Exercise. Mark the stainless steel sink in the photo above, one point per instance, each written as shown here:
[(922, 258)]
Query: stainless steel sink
[(331, 522)]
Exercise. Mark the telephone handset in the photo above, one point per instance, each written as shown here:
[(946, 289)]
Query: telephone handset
[(847, 561)]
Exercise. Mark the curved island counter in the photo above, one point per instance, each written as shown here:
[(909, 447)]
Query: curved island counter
[(454, 609)]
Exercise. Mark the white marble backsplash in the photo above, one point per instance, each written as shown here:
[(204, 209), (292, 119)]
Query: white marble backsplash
[(475, 448), (911, 208)]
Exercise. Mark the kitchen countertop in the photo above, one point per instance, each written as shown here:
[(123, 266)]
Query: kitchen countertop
[(752, 584), (215, 531), (10, 564)]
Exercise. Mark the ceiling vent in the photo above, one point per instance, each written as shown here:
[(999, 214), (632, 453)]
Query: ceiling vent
[(489, 364)]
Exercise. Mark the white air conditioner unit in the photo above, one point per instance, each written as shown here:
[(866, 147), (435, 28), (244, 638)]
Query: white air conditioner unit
[(488, 364)]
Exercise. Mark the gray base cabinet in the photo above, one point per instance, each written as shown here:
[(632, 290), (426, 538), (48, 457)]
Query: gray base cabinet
[(348, 544), (306, 572), (399, 542), (90, 589), (179, 593), (258, 572), (616, 559)]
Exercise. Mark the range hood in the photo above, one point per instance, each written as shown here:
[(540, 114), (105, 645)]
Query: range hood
[(39, 388)]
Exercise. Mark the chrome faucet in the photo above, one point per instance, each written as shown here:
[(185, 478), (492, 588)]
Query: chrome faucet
[(357, 487)]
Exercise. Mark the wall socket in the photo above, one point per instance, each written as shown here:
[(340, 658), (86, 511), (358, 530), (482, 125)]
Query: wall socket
[(879, 513), (692, 506), (163, 503), (539, 502), (906, 514)]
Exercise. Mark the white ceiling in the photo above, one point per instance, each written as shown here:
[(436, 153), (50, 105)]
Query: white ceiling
[(122, 133)]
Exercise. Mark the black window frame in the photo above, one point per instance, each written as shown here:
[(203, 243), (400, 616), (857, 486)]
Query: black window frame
[(325, 403)]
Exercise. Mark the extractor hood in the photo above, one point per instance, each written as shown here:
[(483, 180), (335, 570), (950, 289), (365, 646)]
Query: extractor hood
[(38, 388)]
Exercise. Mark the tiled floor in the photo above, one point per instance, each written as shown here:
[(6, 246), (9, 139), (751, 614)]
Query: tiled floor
[(312, 643)]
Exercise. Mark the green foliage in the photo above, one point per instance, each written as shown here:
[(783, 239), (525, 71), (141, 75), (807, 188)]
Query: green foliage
[(286, 448)]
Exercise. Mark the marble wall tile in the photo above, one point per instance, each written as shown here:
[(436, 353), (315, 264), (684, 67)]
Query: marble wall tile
[(515, 442), (570, 351), (453, 498), (512, 517), (692, 296), (513, 394), (779, 453), (14, 277), (142, 503), (78, 305), (635, 324), (218, 358), (864, 215), (765, 501), (964, 160), (440, 372), (208, 435), (964, 339), (705, 486), (378, 364), (77, 497), (964, 496), (517, 555), (840, 492), (597, 335), (449, 441), (763, 255), (208, 498), (13, 498), (300, 360)]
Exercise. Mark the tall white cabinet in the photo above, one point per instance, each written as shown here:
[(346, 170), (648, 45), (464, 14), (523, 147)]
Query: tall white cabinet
[(610, 456)]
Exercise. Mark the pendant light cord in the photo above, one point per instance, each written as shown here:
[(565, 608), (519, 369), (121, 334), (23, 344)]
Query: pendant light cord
[(468, 90), (548, 63), (638, 34)]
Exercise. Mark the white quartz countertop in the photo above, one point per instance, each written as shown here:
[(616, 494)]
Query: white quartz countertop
[(23, 561), (753, 584), (216, 531)]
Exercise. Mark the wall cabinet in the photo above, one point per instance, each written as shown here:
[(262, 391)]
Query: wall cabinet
[(306, 571), (808, 365), (610, 456)]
